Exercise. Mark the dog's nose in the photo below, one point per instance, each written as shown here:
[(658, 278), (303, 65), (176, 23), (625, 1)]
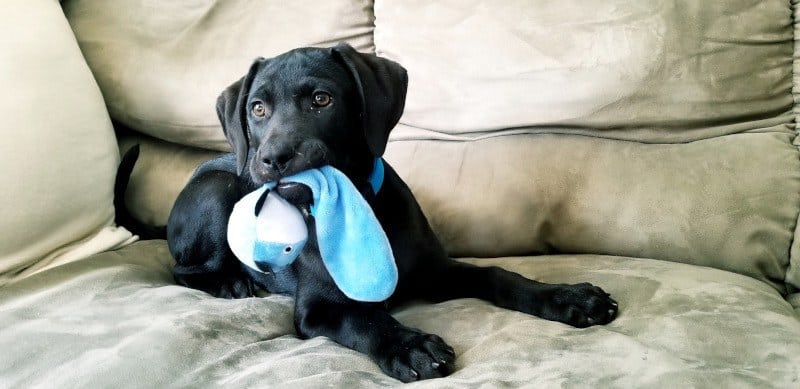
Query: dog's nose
[(277, 158)]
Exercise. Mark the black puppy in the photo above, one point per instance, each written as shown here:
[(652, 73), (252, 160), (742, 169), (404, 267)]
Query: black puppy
[(311, 107)]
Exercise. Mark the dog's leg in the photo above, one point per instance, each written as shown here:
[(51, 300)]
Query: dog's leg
[(197, 236), (579, 305), (401, 352)]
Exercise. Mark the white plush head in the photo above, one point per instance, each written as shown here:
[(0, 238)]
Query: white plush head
[(265, 231)]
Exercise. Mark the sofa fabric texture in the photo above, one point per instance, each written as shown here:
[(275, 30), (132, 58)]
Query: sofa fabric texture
[(672, 80), (646, 140), (161, 66), (136, 328), (647, 147), (660, 71), (701, 203), (58, 156)]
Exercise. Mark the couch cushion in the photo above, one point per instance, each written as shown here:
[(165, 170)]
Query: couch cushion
[(161, 65), (670, 127), (728, 202), (793, 274), (160, 173), (654, 71), (58, 156), (118, 320)]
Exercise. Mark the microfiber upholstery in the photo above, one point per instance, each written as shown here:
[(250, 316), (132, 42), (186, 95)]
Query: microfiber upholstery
[(680, 147), (709, 202), (793, 273), (161, 66), (58, 155), (162, 170), (656, 129), (118, 320), (659, 133), (660, 71)]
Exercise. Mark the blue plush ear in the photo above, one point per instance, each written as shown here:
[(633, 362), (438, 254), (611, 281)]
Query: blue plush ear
[(354, 248)]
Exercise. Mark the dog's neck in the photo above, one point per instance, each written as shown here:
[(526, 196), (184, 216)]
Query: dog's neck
[(364, 170)]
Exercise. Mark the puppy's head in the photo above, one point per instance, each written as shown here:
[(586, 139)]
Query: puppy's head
[(312, 107)]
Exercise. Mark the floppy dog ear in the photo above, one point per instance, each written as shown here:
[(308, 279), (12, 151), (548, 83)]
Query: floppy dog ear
[(233, 115), (382, 85)]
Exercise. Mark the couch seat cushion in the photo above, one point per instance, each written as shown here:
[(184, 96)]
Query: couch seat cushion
[(117, 319)]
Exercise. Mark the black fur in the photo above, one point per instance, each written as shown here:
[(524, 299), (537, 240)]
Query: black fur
[(121, 214), (367, 94)]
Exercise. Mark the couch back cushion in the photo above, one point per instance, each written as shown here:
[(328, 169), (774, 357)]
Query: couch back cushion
[(161, 65), (659, 129), (58, 156), (654, 71)]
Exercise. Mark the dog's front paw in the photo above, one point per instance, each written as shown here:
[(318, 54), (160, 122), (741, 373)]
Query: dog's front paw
[(413, 356), (219, 285), (234, 288), (579, 305)]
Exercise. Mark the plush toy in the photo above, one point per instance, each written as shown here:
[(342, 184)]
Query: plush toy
[(267, 232)]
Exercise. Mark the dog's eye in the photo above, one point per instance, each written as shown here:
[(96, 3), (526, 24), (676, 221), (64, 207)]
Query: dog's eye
[(322, 99), (259, 109)]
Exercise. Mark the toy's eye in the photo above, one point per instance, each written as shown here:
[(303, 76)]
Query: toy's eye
[(321, 99), (287, 249)]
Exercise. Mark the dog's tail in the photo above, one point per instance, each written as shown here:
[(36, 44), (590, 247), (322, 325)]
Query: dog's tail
[(122, 215)]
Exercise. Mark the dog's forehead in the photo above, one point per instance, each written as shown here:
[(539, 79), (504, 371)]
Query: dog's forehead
[(299, 66)]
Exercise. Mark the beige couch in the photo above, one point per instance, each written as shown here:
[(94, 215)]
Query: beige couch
[(648, 147)]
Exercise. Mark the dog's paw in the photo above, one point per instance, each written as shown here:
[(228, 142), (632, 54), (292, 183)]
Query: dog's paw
[(580, 305), (233, 288), (219, 285), (414, 356)]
